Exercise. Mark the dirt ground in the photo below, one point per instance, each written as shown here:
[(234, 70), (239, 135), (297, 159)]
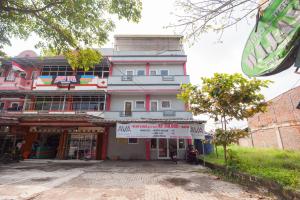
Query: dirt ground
[(115, 180)]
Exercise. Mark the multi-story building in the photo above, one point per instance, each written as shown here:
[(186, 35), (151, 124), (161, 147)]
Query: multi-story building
[(125, 107)]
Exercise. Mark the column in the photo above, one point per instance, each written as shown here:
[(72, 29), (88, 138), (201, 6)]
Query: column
[(148, 103), (147, 145), (184, 69), (104, 144), (111, 69), (108, 99), (147, 69)]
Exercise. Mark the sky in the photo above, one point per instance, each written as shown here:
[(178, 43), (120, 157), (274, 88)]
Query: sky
[(205, 57)]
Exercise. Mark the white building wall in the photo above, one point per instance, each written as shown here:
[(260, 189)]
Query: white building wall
[(117, 102), (120, 69)]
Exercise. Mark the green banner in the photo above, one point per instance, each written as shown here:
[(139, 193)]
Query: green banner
[(270, 46)]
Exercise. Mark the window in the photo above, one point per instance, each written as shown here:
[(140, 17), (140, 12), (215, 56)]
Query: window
[(1, 73), (165, 104), (129, 72), (140, 72), (1, 105), (181, 143), (140, 104), (101, 70), (164, 72), (132, 141), (10, 76), (153, 73), (153, 106), (153, 143)]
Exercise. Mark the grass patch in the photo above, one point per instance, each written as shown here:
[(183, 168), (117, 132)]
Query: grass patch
[(280, 166)]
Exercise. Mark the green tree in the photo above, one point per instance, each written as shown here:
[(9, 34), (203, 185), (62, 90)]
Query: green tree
[(225, 97), (64, 25)]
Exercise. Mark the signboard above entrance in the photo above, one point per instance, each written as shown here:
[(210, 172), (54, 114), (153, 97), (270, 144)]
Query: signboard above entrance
[(83, 80), (273, 42), (160, 130)]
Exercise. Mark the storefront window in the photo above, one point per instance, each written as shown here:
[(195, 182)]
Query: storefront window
[(181, 144), (153, 143), (132, 141)]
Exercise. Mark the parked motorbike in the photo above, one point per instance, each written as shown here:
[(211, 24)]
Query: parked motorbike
[(192, 154), (173, 155)]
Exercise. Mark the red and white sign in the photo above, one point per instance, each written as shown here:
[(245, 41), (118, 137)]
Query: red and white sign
[(160, 130)]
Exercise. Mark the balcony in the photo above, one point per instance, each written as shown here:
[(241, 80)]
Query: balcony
[(82, 82), (18, 83), (146, 83), (63, 107), (149, 115)]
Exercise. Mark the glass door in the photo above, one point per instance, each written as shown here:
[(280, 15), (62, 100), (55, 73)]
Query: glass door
[(173, 147), (163, 150), (128, 108)]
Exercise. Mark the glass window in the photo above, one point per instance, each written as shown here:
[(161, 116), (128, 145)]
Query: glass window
[(132, 141), (140, 104), (153, 73), (129, 72), (165, 104), (105, 74), (10, 76), (153, 143), (1, 105), (181, 144), (153, 106), (164, 72), (140, 72)]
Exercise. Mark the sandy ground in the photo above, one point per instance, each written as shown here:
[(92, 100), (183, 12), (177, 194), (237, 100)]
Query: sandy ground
[(115, 180)]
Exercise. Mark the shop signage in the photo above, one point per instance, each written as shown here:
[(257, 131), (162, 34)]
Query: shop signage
[(80, 80), (272, 43), (160, 130)]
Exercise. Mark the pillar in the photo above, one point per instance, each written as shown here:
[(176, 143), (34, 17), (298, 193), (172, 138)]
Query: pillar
[(190, 141), (147, 69), (104, 144), (62, 145), (111, 69), (147, 103), (108, 100), (148, 146), (184, 69), (278, 136)]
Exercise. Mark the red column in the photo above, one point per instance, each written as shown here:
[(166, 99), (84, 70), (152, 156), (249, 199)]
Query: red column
[(147, 102), (104, 144), (147, 144), (184, 68), (108, 102), (69, 103), (190, 141), (111, 69), (147, 69)]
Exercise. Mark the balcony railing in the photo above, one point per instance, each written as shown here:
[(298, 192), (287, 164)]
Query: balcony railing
[(64, 106), (144, 80), (144, 114)]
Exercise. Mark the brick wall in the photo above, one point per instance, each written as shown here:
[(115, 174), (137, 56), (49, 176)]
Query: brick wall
[(282, 115)]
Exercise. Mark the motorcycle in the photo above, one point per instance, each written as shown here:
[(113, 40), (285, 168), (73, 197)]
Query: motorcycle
[(192, 154)]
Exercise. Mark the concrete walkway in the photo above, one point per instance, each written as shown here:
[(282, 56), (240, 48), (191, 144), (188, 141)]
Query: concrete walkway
[(115, 180)]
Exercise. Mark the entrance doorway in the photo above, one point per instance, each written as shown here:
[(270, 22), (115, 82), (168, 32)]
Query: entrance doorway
[(82, 146), (128, 108), (166, 146)]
